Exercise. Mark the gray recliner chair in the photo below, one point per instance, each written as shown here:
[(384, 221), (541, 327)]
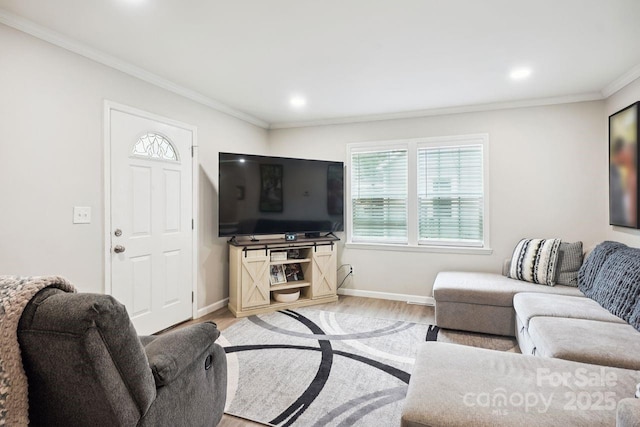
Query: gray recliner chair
[(86, 366)]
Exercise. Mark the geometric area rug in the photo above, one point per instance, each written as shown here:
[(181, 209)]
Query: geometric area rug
[(312, 368)]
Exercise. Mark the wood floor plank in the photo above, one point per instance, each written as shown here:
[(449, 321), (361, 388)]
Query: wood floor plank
[(231, 421)]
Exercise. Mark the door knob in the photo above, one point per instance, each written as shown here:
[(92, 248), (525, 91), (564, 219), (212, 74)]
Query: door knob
[(118, 249)]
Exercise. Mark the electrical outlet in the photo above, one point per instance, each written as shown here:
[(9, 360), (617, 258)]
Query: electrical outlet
[(351, 269), (81, 215)]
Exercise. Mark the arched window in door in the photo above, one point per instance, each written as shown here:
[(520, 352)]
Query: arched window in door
[(155, 146)]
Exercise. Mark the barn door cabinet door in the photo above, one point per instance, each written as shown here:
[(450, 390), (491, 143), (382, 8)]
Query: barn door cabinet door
[(324, 271), (249, 269)]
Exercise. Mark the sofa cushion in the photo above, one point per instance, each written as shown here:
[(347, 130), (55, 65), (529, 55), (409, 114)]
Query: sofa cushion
[(535, 260), (569, 263), (529, 305), (454, 385), (588, 341), (488, 288)]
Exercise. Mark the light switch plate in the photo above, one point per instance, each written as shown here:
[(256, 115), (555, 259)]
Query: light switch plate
[(81, 215)]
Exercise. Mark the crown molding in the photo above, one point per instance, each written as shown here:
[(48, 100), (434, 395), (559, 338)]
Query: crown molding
[(67, 43), (568, 99), (71, 45), (621, 81)]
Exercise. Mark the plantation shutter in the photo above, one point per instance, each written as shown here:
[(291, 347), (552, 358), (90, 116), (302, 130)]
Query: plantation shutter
[(379, 196), (450, 195)]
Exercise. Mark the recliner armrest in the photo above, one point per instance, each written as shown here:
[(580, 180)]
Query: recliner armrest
[(171, 354)]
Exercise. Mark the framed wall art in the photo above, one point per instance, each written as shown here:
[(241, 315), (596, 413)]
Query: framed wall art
[(623, 167)]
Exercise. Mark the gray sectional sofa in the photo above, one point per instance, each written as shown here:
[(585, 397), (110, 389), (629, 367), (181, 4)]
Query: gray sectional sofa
[(580, 363)]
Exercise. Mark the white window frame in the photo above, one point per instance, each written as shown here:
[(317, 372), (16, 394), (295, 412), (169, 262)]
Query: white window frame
[(412, 145)]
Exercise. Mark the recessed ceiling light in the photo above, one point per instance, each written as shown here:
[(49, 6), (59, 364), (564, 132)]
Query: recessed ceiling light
[(520, 73), (298, 101)]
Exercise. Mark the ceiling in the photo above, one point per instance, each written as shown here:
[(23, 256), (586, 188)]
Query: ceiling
[(350, 59)]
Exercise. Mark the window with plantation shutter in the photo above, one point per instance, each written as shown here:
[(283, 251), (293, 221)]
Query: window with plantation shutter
[(379, 196), (450, 195), (426, 193)]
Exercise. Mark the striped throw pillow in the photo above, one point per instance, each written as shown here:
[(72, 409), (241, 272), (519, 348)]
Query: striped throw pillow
[(535, 261)]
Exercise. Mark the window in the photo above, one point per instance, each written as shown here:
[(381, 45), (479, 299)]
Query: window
[(450, 195), (154, 146), (379, 196), (427, 192)]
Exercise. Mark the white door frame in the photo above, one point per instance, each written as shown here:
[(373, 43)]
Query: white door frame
[(114, 106)]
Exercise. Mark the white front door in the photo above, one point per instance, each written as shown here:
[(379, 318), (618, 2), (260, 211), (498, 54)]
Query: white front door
[(151, 219)]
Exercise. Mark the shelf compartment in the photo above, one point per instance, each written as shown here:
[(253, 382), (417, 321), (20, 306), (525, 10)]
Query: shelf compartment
[(275, 304), (291, 285), (290, 261)]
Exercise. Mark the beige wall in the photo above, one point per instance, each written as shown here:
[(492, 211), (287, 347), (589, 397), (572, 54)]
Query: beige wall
[(547, 179), (626, 96), (548, 171), (51, 157)]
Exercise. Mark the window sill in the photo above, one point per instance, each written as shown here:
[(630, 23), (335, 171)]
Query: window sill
[(420, 248)]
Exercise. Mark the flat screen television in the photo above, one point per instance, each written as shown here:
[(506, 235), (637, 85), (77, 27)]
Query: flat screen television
[(274, 195)]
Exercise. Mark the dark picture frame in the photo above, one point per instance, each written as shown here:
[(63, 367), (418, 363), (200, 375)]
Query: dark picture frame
[(624, 200), (271, 188), (293, 272)]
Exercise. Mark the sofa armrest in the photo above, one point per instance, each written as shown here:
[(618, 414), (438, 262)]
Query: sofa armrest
[(628, 413), (172, 353)]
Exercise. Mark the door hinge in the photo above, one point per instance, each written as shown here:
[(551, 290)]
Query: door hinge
[(192, 150), (193, 224), (193, 297)]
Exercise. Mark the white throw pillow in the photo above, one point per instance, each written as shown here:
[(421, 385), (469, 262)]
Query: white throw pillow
[(535, 261)]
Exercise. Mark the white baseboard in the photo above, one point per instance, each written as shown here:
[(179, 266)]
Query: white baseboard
[(212, 307), (410, 299)]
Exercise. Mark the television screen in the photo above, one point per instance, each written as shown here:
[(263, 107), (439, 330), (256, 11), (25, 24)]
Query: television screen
[(275, 195)]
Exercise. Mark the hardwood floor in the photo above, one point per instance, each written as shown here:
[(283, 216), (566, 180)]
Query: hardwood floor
[(231, 421), (366, 307)]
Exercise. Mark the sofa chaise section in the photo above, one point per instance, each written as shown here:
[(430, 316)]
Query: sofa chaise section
[(574, 328), (588, 341), (530, 305), (483, 302), (453, 385)]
